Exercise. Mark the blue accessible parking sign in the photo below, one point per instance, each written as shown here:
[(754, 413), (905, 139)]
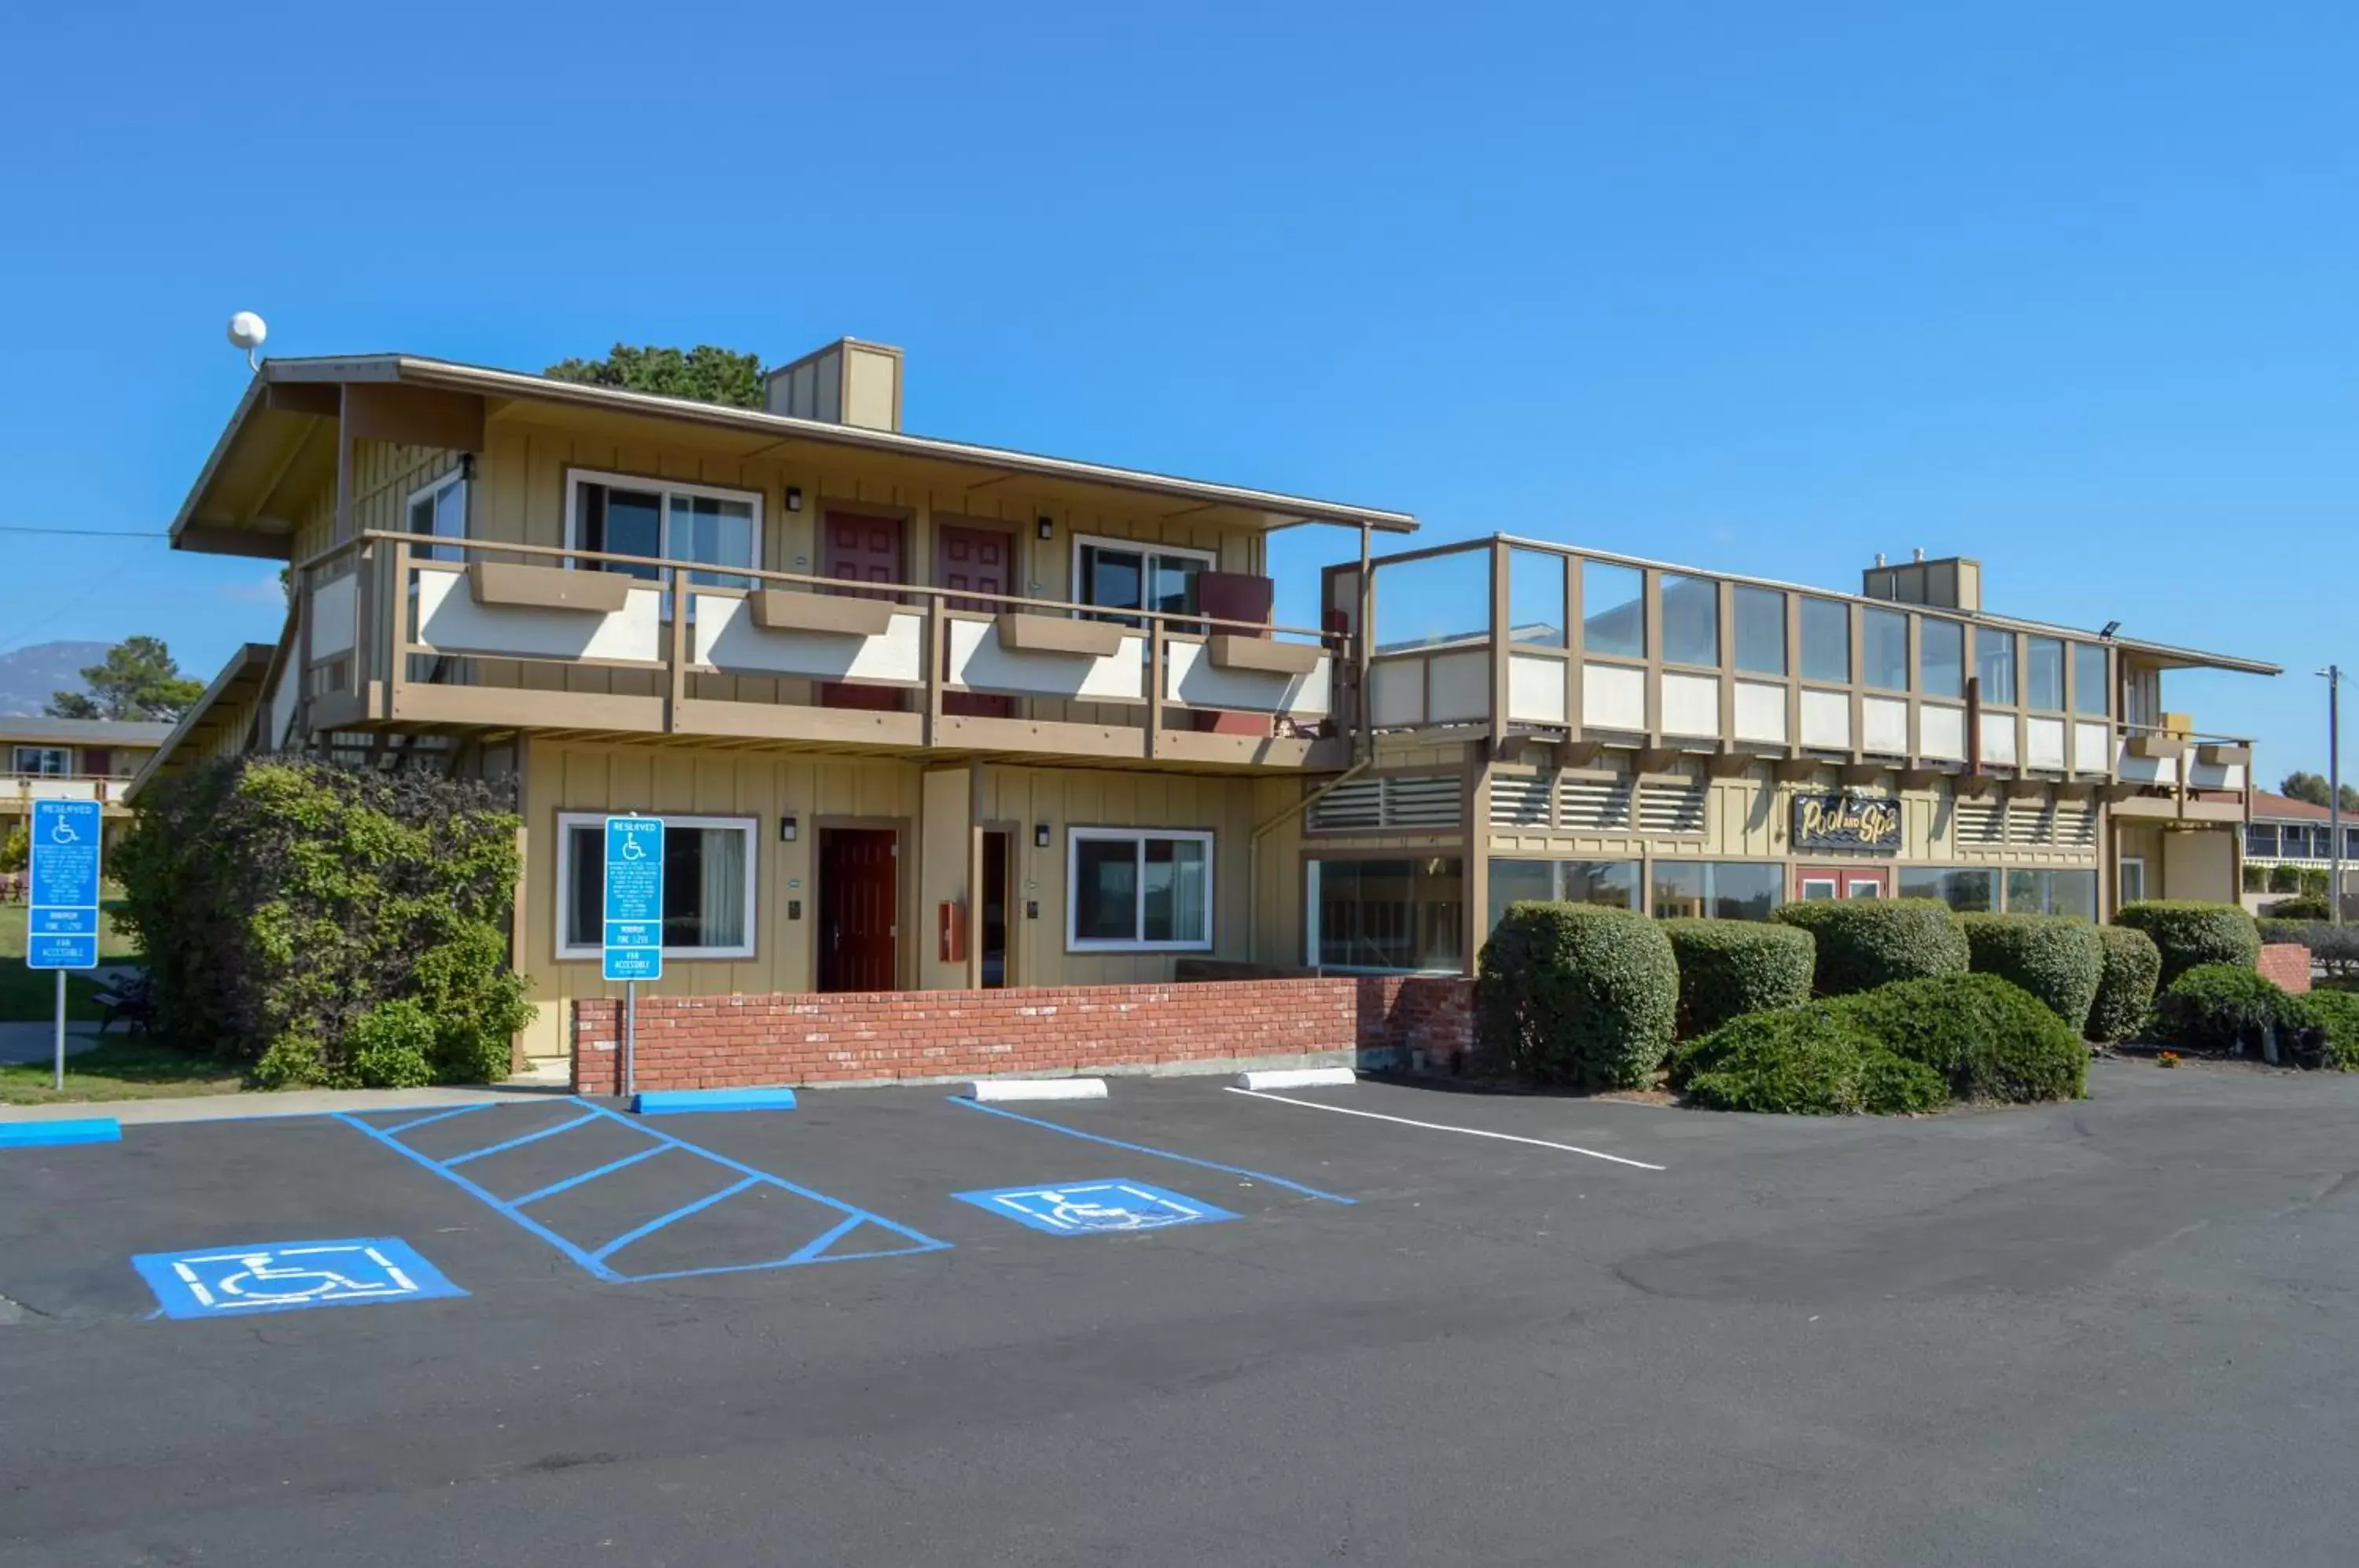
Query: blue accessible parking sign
[(1095, 1208), (61, 924), (287, 1276), (633, 946)]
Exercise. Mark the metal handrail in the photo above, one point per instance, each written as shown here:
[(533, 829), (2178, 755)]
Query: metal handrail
[(1182, 620)]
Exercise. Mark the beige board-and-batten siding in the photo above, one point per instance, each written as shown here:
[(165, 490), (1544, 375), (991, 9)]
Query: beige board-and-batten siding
[(520, 491), (564, 776)]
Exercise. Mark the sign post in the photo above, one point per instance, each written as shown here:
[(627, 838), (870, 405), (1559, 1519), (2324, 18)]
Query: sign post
[(632, 945), (61, 922)]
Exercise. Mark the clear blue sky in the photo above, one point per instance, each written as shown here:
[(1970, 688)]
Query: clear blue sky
[(1766, 288)]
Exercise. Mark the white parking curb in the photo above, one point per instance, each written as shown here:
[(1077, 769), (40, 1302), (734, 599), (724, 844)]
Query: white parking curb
[(989, 1089), (1296, 1078)]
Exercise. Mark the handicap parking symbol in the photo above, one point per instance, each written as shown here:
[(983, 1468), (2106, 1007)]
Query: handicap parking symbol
[(1095, 1208), (285, 1276)]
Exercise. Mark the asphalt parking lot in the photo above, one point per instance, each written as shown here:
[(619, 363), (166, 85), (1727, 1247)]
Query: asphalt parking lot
[(1375, 1324)]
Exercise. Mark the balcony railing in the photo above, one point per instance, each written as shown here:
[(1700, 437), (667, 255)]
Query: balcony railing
[(1610, 649), (17, 788), (399, 627)]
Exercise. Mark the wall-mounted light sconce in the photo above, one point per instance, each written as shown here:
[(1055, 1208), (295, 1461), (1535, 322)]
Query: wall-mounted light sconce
[(1039, 835), (794, 497), (785, 830), (1046, 527)]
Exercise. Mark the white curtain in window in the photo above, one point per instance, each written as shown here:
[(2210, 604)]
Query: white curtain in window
[(722, 895)]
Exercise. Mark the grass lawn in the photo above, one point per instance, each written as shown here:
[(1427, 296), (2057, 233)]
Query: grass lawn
[(30, 994), (117, 1069)]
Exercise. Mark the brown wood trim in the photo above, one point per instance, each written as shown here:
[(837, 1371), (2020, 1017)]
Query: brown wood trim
[(2158, 745), (512, 707), (1022, 633), (2222, 755), (1230, 651), (509, 586), (785, 609)]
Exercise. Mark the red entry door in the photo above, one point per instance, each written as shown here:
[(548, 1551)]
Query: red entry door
[(859, 902), (1822, 882), (858, 547), (980, 560)]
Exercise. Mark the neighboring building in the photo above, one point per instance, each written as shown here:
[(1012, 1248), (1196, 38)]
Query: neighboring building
[(1054, 737), (73, 759), (2286, 837)]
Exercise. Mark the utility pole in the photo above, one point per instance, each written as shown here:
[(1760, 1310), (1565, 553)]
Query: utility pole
[(2333, 673)]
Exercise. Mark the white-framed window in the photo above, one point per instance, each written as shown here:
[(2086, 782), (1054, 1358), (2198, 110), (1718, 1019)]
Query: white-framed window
[(45, 761), (625, 514), (1132, 575), (2133, 878), (708, 902), (1138, 890), (439, 510)]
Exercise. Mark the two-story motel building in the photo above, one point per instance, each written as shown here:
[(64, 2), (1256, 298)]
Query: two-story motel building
[(1057, 738)]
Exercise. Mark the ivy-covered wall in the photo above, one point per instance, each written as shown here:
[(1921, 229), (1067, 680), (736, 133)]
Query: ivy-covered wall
[(329, 925)]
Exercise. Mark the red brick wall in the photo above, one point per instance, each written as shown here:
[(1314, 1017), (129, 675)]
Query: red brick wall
[(715, 1042), (2287, 963)]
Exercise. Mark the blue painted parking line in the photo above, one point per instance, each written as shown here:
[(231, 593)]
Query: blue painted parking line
[(520, 1142), (1095, 1208), (49, 1135), (290, 1276), (1157, 1153), (594, 1261), (443, 1115)]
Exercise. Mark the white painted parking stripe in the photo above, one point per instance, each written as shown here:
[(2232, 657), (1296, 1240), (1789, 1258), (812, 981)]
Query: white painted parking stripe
[(1298, 1078), (991, 1089), (1444, 1127)]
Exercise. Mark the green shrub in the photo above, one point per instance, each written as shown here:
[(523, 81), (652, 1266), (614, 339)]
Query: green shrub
[(2057, 958), (2188, 933), (2133, 968), (2284, 879), (2334, 949), (283, 903), (1801, 1060), (2307, 907), (1988, 1037), (294, 1061), (391, 1046), (16, 848), (1810, 1059), (1728, 968), (2335, 1016), (2218, 1006), (1578, 994), (1866, 942)]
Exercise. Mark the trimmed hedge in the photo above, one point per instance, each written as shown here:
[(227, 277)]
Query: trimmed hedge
[(1805, 1061), (2057, 958), (2307, 907), (2188, 933), (1729, 968), (1578, 994), (2335, 1016), (2126, 987), (1866, 942), (2219, 1006), (2335, 949), (329, 926), (1988, 1037)]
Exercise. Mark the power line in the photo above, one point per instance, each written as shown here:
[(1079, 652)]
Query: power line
[(85, 533)]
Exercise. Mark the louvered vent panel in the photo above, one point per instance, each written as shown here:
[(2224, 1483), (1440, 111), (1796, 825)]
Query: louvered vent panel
[(1668, 808), (1520, 799), (1594, 805), (1981, 822), (1421, 800), (2077, 829), (1359, 805)]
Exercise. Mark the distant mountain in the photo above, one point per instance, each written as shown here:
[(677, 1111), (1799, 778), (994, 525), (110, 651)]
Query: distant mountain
[(30, 676)]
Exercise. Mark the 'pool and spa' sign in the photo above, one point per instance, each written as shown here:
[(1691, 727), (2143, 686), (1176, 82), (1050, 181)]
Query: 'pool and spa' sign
[(1844, 821)]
